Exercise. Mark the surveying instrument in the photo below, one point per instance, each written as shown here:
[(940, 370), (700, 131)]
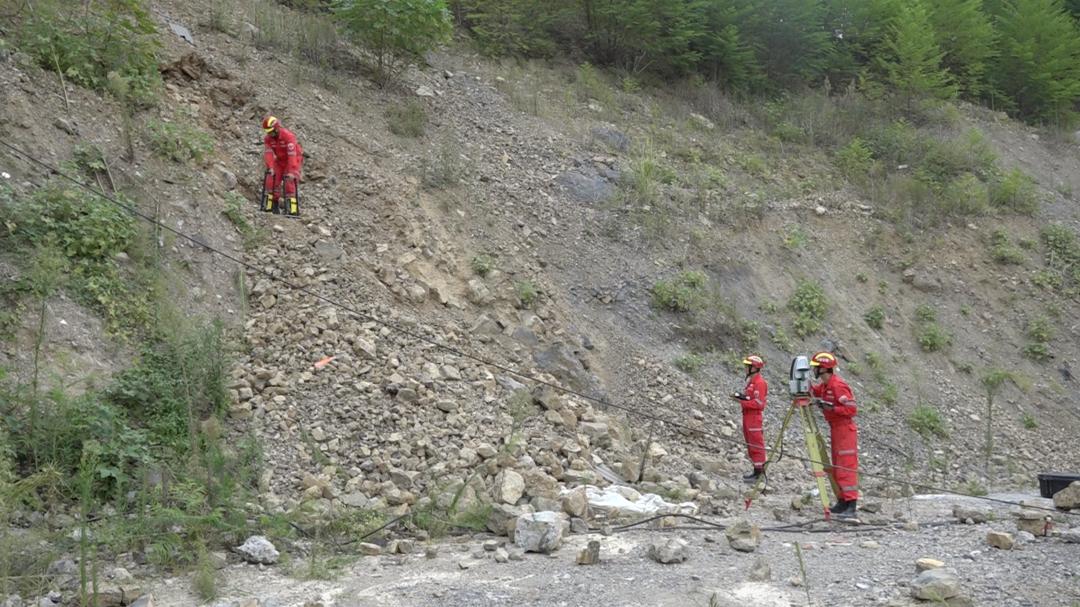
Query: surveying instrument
[(801, 400)]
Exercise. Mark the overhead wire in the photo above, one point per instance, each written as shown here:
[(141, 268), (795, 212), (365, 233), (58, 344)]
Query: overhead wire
[(481, 359)]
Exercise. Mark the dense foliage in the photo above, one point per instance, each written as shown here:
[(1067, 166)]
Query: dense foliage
[(1024, 55)]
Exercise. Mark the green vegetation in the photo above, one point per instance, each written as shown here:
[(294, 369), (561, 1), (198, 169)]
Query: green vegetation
[(1003, 251), (809, 304), (1029, 422), (395, 32), (928, 422), (526, 292), (1040, 333), (408, 120), (932, 338), (105, 41), (1015, 191), (855, 160), (875, 317), (689, 363), (925, 313), (682, 293), (179, 142), (482, 264), (1062, 259)]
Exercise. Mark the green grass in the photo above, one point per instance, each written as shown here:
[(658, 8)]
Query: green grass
[(527, 293), (179, 142), (1029, 422), (482, 264), (689, 363), (925, 313), (875, 318), (932, 338), (928, 422)]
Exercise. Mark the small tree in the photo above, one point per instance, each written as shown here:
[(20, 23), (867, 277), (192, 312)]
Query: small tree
[(912, 57), (992, 380), (395, 31)]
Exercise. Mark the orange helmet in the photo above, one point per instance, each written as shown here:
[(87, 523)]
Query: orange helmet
[(825, 360), (269, 124), (754, 361)]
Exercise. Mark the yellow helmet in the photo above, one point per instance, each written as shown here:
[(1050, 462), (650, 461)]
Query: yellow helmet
[(754, 361), (825, 360), (269, 124)]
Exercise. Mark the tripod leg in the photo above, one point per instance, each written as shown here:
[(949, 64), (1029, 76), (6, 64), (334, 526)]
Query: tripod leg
[(819, 458)]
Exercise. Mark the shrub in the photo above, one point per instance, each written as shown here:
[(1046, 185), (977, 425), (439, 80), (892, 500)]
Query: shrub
[(683, 293), (928, 422), (1015, 192), (1063, 256), (963, 196), (482, 264), (1039, 329), (809, 305), (890, 394), (394, 31), (689, 363), (855, 160), (445, 166), (1003, 251), (88, 45), (526, 292), (875, 317), (407, 120), (925, 313), (1038, 352), (1029, 422), (933, 338), (973, 488), (179, 142)]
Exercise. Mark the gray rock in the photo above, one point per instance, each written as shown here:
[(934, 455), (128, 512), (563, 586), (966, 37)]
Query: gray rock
[(62, 567), (182, 32), (226, 177), (13, 600), (743, 536), (578, 526), (502, 519), (591, 188), (926, 564), (66, 126), (369, 549), (611, 137), (1069, 497), (257, 549), (576, 503), (589, 555), (935, 585), (976, 515), (146, 600), (761, 572), (668, 551), (501, 555), (328, 251), (509, 487), (539, 532), (1072, 536)]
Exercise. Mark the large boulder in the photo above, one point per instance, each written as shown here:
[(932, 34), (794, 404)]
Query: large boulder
[(257, 549), (540, 532), (743, 536), (1069, 497), (541, 484), (1000, 540), (502, 519)]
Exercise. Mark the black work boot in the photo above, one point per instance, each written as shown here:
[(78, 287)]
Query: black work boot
[(753, 476), (841, 505), (849, 510)]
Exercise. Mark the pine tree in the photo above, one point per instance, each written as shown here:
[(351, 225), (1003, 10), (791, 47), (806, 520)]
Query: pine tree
[(911, 58), (788, 37), (1038, 66), (966, 36), (727, 58)]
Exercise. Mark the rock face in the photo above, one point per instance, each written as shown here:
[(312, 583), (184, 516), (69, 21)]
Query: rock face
[(257, 549), (743, 536), (669, 551), (1000, 539), (539, 532), (935, 585), (1069, 497)]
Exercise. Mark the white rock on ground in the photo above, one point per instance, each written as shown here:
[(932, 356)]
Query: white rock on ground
[(257, 549), (540, 532), (509, 487), (743, 536), (1069, 497), (668, 551)]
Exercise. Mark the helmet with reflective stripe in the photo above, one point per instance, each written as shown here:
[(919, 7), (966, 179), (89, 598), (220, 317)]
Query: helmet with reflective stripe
[(269, 124), (754, 361), (825, 360)]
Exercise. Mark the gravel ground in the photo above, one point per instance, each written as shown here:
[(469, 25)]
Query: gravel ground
[(845, 565)]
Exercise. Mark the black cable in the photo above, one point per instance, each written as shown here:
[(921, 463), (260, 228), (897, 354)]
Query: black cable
[(480, 359)]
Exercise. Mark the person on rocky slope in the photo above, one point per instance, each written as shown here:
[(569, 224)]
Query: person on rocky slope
[(752, 399), (283, 157), (838, 405)]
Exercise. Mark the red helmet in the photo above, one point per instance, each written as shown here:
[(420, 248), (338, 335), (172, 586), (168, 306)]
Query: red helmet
[(825, 360), (754, 361), (269, 124)]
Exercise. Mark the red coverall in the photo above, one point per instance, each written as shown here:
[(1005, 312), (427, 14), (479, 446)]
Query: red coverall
[(283, 157), (752, 407), (844, 435)]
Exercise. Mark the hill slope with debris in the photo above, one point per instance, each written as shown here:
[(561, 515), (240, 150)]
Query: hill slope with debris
[(497, 236)]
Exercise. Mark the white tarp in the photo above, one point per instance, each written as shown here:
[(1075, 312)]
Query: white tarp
[(616, 501)]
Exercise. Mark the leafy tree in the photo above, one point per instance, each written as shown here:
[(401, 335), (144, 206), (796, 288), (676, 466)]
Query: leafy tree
[(1038, 66), (911, 58), (966, 36), (395, 31)]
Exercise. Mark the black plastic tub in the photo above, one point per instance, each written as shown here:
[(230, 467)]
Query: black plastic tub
[(1051, 483)]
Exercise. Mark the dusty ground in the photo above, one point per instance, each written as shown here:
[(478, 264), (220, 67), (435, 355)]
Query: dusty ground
[(843, 569)]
